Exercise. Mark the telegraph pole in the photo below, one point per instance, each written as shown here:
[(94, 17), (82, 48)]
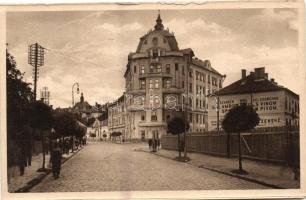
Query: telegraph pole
[(36, 59)]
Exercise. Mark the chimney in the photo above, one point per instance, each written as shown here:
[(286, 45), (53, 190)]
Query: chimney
[(272, 80), (260, 72), (243, 74)]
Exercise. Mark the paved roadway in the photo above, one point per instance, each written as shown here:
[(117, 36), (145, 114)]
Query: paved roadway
[(118, 167)]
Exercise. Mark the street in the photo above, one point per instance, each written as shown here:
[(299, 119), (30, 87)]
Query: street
[(118, 167)]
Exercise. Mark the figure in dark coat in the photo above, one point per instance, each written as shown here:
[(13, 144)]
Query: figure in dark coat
[(150, 142), (56, 157)]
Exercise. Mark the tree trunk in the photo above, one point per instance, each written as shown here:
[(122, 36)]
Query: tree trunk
[(185, 146), (239, 152), (179, 144), (228, 145)]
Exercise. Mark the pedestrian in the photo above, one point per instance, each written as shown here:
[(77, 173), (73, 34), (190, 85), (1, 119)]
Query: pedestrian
[(22, 161), (158, 144), (56, 158), (150, 144)]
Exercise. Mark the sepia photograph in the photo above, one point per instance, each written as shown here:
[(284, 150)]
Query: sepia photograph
[(157, 99)]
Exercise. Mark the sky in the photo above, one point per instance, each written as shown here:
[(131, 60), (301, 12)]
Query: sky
[(91, 47)]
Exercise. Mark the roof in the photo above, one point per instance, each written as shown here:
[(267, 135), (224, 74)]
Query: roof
[(169, 36), (252, 85), (205, 64)]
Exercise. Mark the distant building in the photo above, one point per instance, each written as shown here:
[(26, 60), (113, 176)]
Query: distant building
[(276, 105), (162, 82), (45, 95), (116, 117), (86, 110)]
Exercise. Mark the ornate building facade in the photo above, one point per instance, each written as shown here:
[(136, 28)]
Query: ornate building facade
[(164, 81)]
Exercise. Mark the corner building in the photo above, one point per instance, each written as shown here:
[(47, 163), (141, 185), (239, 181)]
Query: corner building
[(163, 81)]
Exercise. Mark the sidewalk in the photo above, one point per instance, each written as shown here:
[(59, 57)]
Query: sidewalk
[(272, 175), (31, 177)]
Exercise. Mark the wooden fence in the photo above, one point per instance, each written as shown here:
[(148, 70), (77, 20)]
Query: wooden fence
[(280, 147)]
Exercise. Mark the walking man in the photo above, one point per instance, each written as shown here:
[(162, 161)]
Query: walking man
[(150, 144), (56, 157)]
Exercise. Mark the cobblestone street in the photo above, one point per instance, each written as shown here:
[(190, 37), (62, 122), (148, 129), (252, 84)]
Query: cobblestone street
[(118, 167)]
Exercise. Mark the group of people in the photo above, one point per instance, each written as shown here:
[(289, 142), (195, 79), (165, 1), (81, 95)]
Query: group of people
[(154, 144)]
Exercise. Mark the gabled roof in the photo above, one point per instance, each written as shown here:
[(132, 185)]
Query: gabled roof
[(251, 84)]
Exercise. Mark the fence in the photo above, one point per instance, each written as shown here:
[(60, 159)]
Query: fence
[(279, 147)]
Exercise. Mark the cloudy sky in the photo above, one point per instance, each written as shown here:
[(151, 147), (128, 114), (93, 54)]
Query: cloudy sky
[(92, 47)]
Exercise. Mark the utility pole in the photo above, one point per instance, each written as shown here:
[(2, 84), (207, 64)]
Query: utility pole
[(36, 59)]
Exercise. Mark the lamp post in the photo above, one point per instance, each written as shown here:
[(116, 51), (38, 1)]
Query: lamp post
[(78, 90)]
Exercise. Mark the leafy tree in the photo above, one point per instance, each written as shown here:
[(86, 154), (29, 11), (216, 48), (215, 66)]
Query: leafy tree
[(240, 119), (176, 126), (41, 119), (19, 96)]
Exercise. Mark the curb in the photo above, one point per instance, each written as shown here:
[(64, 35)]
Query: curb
[(35, 181), (243, 177), (223, 172)]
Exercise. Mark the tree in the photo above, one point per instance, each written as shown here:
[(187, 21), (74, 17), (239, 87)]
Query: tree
[(19, 96), (239, 119), (41, 119), (176, 126)]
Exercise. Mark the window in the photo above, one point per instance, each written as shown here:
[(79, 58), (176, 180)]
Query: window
[(142, 84), (165, 41), (155, 54), (197, 76), (190, 87), (197, 118), (176, 66), (145, 42), (168, 68), (286, 103), (183, 70), (155, 41), (243, 102), (159, 68), (190, 73), (197, 103), (143, 116), (220, 83), (153, 116), (156, 84), (142, 70), (183, 84), (135, 69), (190, 101), (151, 68), (208, 78), (151, 84), (190, 117), (167, 83)]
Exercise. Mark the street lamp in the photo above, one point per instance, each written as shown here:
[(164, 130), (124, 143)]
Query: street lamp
[(78, 90)]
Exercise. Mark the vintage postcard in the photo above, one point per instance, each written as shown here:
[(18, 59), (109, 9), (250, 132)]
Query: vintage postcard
[(152, 101)]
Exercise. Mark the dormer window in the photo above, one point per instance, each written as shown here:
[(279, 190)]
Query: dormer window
[(155, 41)]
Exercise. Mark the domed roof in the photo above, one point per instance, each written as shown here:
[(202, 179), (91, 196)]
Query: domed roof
[(157, 38)]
